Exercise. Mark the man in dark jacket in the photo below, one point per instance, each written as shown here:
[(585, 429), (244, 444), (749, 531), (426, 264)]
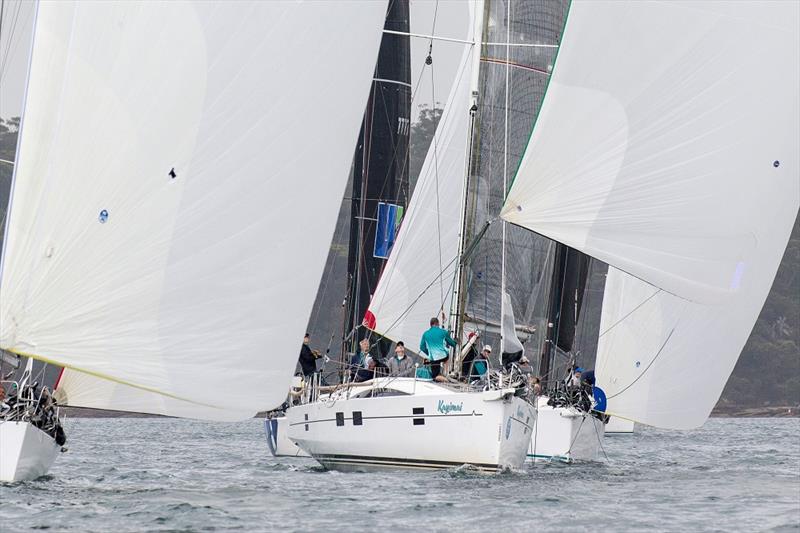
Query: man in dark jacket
[(308, 358), (362, 364)]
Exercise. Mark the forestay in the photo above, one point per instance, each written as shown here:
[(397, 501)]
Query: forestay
[(417, 282), (173, 201), (676, 161)]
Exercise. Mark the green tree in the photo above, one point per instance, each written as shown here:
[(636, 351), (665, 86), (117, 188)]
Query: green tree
[(421, 136)]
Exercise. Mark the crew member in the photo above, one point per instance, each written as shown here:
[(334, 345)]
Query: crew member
[(434, 345), (400, 364), (308, 358), (362, 364)]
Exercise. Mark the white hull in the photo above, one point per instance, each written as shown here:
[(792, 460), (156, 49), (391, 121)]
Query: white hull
[(277, 440), (421, 426), (565, 434), (619, 426), (26, 452)]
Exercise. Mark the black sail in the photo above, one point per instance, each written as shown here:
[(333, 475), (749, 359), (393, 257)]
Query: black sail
[(380, 165), (567, 289)]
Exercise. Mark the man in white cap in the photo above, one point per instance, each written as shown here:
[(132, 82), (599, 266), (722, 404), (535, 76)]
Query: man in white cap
[(475, 365)]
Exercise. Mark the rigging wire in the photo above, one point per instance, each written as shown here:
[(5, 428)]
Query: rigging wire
[(429, 62), (505, 178)]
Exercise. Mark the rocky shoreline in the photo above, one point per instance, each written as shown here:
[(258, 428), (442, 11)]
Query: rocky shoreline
[(734, 411)]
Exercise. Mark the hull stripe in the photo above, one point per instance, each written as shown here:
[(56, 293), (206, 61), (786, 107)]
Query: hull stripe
[(396, 462), (304, 422)]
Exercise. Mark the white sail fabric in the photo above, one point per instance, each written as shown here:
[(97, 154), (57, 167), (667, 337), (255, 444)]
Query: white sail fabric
[(509, 340), (175, 191), (76, 389), (417, 281), (637, 320), (667, 144), (674, 159)]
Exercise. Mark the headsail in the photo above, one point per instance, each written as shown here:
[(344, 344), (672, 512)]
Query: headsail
[(417, 282), (670, 160), (169, 223)]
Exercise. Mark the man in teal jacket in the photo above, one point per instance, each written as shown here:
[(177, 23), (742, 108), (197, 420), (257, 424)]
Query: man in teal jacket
[(434, 345)]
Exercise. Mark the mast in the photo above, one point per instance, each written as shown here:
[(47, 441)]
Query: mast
[(459, 296), (505, 178), (380, 166)]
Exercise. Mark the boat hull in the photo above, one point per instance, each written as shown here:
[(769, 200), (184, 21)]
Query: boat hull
[(486, 430), (277, 441), (26, 452), (565, 434)]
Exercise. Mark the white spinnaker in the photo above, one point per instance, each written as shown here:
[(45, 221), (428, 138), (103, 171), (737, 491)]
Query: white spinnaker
[(657, 143), (640, 379), (199, 286), (76, 389), (675, 160), (417, 281)]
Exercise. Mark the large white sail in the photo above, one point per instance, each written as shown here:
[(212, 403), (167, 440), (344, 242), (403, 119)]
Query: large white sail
[(417, 281), (637, 375), (76, 389), (171, 209), (660, 155), (676, 161)]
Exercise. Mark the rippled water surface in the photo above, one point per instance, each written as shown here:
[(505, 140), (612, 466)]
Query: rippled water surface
[(178, 475)]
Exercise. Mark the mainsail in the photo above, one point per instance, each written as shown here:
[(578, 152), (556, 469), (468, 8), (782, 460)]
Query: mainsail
[(164, 151), (675, 163)]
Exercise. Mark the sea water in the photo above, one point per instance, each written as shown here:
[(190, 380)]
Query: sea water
[(129, 474)]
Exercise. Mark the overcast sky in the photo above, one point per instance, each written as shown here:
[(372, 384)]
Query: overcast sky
[(451, 21)]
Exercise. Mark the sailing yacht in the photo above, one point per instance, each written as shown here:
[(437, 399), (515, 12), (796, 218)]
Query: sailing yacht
[(409, 422), (31, 428), (160, 155), (494, 278)]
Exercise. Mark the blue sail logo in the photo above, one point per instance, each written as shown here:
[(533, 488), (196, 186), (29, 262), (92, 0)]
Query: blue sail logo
[(449, 406)]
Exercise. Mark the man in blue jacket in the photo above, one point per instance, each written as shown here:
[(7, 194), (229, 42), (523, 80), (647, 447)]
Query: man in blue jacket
[(434, 346)]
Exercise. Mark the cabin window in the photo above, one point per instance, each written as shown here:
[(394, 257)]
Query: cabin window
[(357, 420), (339, 419)]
